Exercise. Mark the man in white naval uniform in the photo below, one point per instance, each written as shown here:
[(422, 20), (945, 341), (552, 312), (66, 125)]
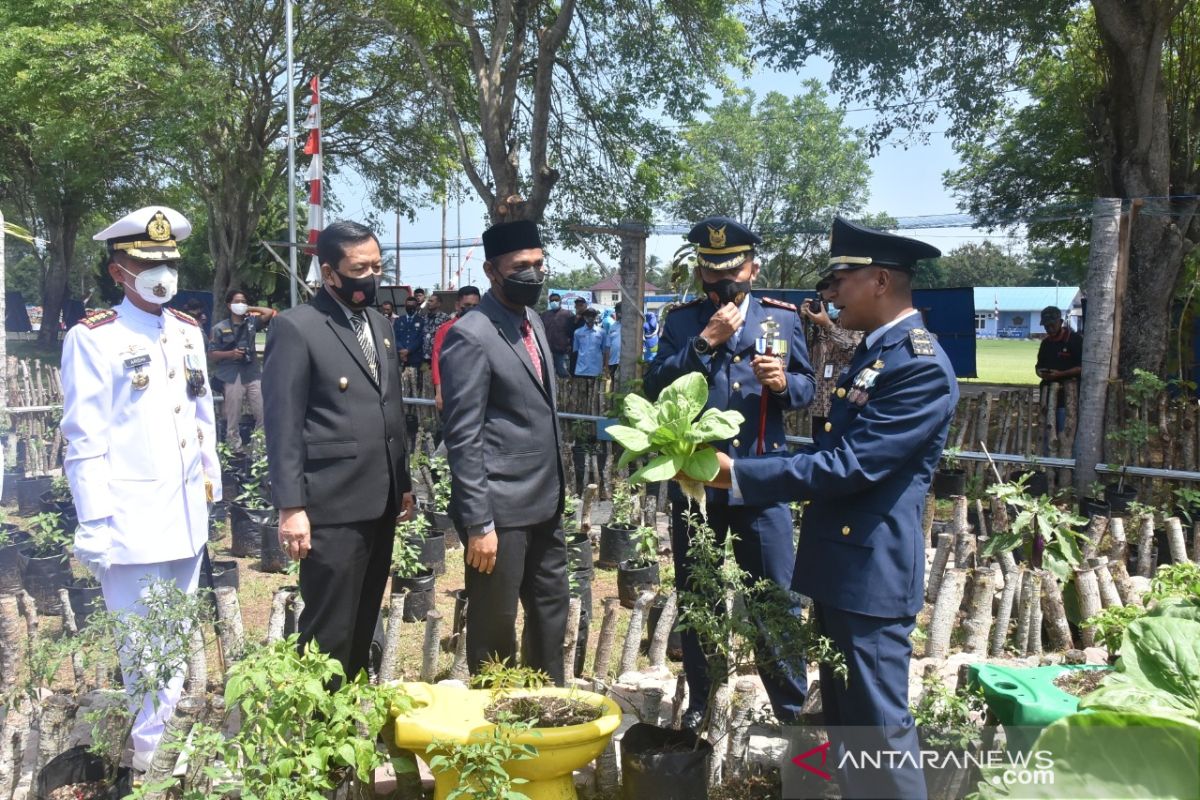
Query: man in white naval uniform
[(138, 419)]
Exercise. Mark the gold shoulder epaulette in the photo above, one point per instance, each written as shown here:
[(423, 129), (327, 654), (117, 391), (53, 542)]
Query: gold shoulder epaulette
[(922, 345), (183, 316), (771, 301), (98, 318)]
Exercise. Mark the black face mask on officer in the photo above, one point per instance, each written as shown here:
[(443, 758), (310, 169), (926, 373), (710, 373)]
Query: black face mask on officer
[(726, 290), (524, 287), (356, 293)]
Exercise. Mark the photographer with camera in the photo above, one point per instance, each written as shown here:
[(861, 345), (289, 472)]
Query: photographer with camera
[(235, 361), (832, 348)]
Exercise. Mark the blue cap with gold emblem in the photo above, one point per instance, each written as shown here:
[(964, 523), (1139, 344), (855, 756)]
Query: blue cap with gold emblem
[(148, 234), (854, 246), (722, 243)]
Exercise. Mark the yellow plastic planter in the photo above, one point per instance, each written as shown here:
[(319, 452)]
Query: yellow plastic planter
[(454, 714)]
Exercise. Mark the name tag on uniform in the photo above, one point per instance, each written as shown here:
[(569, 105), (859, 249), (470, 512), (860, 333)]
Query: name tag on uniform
[(829, 370), (137, 361)]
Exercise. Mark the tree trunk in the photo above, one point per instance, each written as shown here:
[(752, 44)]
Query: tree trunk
[(1012, 579), (1176, 541), (937, 570), (662, 632), (739, 736), (389, 669), (1100, 286), (229, 624), (178, 726), (1109, 596), (62, 225), (633, 292), (278, 615), (633, 636), (978, 623), (1033, 643), (1145, 551), (571, 640), (1024, 612), (197, 666), (1089, 601), (432, 645), (652, 697)]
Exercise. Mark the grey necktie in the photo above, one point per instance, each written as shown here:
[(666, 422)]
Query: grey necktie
[(364, 341)]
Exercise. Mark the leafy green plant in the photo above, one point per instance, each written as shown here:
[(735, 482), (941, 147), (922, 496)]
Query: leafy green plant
[(255, 494), (728, 639), (675, 429), (480, 763), (305, 727), (60, 489), (1034, 517), (623, 506), (1096, 491), (1172, 582), (47, 536), (1180, 580), (1187, 501), (1133, 438), (1159, 668), (947, 719), (439, 467), (501, 677), (570, 509), (951, 455), (416, 528), (1111, 623), (406, 558), (645, 548)]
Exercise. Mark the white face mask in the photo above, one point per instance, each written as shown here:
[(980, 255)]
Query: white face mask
[(155, 285), (238, 308)]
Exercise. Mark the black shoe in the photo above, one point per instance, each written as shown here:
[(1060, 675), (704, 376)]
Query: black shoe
[(692, 719)]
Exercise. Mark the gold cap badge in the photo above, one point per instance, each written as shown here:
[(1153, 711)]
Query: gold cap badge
[(159, 227), (716, 236)]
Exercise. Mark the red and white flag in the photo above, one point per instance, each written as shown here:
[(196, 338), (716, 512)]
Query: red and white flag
[(316, 217)]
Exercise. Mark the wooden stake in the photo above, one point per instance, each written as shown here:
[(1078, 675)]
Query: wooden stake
[(1033, 644), (608, 635), (633, 635), (1054, 614), (945, 612), (1090, 605), (229, 624), (1120, 576), (1145, 560), (1109, 596), (389, 667), (937, 569), (662, 631), (978, 624), (571, 641), (1024, 613), (1176, 541), (432, 644), (1012, 582)]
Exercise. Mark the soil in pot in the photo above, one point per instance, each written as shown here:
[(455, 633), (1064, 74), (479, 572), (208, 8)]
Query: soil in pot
[(433, 550), (29, 494), (545, 711), (245, 528), (76, 774), (663, 763), (86, 598), (418, 594), (11, 560), (674, 638), (43, 577), (633, 578), (272, 557), (1079, 682), (948, 482), (616, 545)]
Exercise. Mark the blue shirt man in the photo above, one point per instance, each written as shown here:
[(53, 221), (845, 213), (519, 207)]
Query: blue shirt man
[(726, 335), (862, 555), (589, 347), (612, 343), (409, 328)]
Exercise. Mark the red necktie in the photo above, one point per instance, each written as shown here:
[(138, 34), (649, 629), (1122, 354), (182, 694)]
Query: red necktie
[(531, 348)]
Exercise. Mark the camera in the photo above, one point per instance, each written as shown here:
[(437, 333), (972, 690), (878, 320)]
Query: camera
[(814, 305)]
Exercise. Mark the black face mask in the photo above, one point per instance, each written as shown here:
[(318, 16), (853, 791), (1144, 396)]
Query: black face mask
[(726, 290), (524, 287), (357, 293), (410, 310)]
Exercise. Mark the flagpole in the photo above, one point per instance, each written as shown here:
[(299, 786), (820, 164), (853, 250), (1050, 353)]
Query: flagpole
[(291, 147)]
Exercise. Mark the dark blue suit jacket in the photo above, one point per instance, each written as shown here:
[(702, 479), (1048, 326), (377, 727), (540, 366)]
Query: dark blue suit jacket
[(731, 381), (861, 543)]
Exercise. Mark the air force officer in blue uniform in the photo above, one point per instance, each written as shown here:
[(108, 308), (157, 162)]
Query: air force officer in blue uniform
[(723, 336), (861, 554)]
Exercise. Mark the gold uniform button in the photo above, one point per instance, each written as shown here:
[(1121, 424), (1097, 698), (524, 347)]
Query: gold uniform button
[(343, 383), (828, 427), (736, 386), (841, 392), (177, 409), (182, 443), (737, 359), (845, 530), (737, 443), (171, 374)]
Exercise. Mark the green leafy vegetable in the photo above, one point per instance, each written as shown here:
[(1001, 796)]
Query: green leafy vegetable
[(674, 431)]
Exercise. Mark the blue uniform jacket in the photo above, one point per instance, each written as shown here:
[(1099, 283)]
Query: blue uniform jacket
[(731, 381), (861, 544), (410, 335)]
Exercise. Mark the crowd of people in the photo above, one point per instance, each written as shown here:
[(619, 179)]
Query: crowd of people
[(329, 395)]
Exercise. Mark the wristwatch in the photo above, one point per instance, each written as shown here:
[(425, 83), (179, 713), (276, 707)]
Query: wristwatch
[(701, 346)]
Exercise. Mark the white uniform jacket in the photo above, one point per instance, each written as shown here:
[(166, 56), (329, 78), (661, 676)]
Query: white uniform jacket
[(139, 458)]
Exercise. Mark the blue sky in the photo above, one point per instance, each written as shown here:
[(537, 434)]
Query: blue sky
[(906, 181)]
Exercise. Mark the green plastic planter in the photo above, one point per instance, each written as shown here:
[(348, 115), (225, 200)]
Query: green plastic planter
[(1024, 699)]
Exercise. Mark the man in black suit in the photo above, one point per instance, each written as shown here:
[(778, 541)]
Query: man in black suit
[(502, 440), (336, 444)]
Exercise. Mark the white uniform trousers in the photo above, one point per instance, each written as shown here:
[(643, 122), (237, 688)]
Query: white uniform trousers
[(124, 586)]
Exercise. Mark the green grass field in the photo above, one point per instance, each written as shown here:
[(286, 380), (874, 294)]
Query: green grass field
[(1005, 361)]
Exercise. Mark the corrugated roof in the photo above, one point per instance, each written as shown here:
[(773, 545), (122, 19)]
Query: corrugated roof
[(609, 284), (1024, 298)]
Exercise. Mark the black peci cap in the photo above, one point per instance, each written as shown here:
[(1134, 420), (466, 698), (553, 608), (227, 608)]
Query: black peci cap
[(508, 237)]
